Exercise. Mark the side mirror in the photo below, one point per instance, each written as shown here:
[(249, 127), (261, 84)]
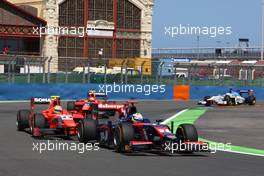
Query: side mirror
[(159, 121)]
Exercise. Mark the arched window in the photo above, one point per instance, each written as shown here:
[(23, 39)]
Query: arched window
[(128, 15), (100, 10), (71, 13)]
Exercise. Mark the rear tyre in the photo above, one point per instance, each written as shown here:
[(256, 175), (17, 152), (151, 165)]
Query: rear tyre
[(22, 119), (123, 134), (87, 130), (206, 98), (92, 116), (252, 100), (39, 121), (187, 133), (208, 103), (228, 100), (70, 105), (105, 140)]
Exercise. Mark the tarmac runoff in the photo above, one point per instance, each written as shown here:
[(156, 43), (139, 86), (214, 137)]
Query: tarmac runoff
[(190, 116)]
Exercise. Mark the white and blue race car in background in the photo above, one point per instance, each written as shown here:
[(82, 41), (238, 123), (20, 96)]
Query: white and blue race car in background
[(232, 98)]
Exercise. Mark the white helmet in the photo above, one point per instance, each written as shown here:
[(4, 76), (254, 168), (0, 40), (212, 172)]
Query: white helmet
[(137, 117)]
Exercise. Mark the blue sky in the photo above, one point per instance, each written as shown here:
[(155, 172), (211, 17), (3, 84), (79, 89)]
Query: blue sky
[(244, 16)]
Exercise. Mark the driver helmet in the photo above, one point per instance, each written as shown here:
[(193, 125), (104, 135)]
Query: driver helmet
[(91, 99), (231, 89), (57, 109), (137, 117)]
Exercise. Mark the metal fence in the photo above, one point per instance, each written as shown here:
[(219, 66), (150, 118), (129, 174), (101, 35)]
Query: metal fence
[(215, 74), (209, 53), (35, 69)]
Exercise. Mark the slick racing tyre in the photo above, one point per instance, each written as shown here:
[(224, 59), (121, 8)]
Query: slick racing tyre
[(70, 105), (22, 119), (208, 102), (123, 134), (187, 133), (251, 100), (39, 121), (228, 100), (105, 138), (87, 130), (92, 116), (206, 98)]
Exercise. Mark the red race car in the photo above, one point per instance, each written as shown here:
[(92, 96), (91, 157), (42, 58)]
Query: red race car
[(93, 107), (131, 132), (51, 121)]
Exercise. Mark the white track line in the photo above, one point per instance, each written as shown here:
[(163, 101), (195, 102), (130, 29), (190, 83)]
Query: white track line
[(244, 153), (230, 151), (174, 116)]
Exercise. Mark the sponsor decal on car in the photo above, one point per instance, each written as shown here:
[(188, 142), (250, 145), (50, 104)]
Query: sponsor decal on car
[(42, 100), (110, 106)]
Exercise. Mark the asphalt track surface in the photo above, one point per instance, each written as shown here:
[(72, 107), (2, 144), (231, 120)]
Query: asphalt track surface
[(18, 158)]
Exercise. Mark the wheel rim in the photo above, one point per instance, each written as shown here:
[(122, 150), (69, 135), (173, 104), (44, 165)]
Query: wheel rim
[(17, 122), (116, 140), (79, 133), (32, 126)]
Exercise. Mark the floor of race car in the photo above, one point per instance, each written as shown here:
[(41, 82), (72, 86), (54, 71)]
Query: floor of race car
[(239, 125)]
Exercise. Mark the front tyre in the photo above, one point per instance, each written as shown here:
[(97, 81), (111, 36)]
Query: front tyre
[(187, 133), (123, 134)]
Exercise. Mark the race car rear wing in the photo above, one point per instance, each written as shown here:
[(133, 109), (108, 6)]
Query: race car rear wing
[(246, 91), (41, 100), (97, 94), (52, 101)]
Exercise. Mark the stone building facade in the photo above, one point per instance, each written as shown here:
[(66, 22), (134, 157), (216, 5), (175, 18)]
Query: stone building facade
[(123, 28)]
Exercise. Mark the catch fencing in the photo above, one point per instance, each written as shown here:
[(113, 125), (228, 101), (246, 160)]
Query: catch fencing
[(167, 71)]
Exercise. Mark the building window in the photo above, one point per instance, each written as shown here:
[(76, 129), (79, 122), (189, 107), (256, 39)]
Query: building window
[(128, 48), (100, 10), (128, 15), (71, 13), (70, 47), (96, 44)]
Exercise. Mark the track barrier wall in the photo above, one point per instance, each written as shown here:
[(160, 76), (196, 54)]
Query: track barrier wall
[(145, 92), (79, 91)]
